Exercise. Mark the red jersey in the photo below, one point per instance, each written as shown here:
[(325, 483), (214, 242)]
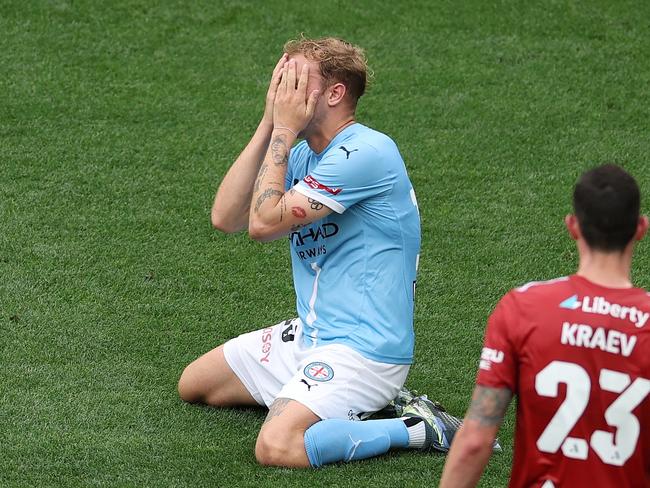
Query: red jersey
[(578, 356)]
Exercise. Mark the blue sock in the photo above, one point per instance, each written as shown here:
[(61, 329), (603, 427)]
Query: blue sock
[(333, 440)]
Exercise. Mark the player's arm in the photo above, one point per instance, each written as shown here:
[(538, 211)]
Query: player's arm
[(291, 212), (274, 213), (472, 445), (231, 203)]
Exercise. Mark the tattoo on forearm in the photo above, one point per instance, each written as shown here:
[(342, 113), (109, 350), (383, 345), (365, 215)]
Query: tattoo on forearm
[(265, 195), (260, 176), (277, 407), (489, 405), (298, 212), (280, 151), (283, 208), (315, 205)]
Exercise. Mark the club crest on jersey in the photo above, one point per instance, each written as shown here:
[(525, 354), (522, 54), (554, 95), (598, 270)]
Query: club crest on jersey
[(600, 306), (316, 185), (319, 371)]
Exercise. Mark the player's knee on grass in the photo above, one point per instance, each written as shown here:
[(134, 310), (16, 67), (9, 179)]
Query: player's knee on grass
[(281, 448), (188, 386), (194, 387), (200, 385), (268, 451), (204, 381)]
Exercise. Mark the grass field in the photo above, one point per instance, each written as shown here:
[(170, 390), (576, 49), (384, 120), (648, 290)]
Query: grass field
[(118, 120)]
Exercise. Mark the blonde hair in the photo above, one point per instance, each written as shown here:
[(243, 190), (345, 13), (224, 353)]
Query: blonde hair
[(339, 61)]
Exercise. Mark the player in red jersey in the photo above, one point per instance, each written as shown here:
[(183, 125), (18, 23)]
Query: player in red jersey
[(576, 352)]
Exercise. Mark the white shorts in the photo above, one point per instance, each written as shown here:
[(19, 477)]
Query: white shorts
[(333, 381)]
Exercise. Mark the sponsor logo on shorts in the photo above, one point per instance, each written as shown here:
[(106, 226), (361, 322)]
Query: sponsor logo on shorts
[(288, 335), (318, 371), (267, 335)]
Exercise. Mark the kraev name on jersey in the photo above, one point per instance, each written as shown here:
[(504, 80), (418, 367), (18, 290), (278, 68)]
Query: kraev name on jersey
[(600, 306), (585, 335)]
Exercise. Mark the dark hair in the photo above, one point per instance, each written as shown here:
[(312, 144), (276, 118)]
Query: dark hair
[(606, 201)]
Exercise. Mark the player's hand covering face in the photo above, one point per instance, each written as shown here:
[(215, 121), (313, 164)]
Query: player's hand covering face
[(293, 109), (273, 88)]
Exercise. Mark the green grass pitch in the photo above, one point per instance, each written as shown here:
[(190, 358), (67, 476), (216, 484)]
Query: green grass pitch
[(117, 121)]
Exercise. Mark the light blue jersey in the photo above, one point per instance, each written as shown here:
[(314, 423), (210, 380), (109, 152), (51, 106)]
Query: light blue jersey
[(354, 270)]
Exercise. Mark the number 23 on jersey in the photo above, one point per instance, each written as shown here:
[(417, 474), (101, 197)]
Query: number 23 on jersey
[(612, 448)]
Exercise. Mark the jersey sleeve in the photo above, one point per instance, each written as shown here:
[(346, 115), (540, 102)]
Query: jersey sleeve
[(339, 182), (498, 363)]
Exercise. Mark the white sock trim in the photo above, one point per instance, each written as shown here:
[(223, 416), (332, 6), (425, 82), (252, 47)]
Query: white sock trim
[(417, 434)]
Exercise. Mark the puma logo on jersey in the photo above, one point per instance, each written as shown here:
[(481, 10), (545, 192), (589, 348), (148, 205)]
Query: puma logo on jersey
[(347, 153), (600, 306), (309, 387)]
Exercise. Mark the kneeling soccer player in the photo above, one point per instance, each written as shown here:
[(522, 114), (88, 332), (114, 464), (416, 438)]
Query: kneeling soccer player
[(344, 199)]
